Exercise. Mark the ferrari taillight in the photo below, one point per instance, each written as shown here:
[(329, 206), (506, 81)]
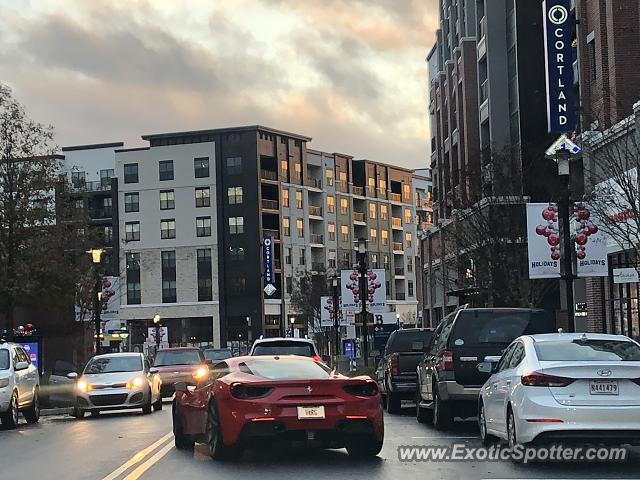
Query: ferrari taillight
[(368, 389), (247, 392)]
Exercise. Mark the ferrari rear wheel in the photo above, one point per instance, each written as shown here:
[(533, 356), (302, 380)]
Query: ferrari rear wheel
[(364, 447), (217, 449), (182, 442)]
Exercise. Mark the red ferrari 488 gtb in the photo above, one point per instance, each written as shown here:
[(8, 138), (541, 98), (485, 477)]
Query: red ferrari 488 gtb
[(249, 400)]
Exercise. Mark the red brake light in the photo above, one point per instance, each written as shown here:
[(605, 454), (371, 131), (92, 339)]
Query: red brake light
[(395, 367), (537, 379), (317, 358), (447, 361)]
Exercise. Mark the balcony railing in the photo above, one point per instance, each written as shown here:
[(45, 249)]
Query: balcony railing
[(314, 182), (399, 272), (483, 28), (396, 222), (267, 232), (358, 217), (269, 204), (82, 186), (397, 246), (343, 185), (395, 197), (315, 211), (268, 175), (96, 213), (318, 266), (358, 191), (484, 91), (316, 238)]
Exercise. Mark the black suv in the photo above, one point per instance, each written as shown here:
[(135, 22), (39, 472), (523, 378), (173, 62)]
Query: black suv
[(448, 378)]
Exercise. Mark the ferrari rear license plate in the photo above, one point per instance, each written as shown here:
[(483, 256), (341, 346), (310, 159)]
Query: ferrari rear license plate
[(604, 387), (305, 413)]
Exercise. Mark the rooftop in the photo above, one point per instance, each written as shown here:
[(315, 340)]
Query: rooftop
[(217, 131)]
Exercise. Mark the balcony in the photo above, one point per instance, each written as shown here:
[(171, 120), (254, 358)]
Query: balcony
[(318, 266), (359, 191), (343, 185), (267, 232), (100, 213), (396, 223), (358, 217), (269, 175), (314, 183), (398, 247), (484, 91), (316, 239), (395, 197), (315, 211), (269, 204), (82, 186)]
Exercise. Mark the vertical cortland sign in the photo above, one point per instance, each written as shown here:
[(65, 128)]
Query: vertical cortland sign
[(591, 244), (558, 34), (543, 240), (267, 255)]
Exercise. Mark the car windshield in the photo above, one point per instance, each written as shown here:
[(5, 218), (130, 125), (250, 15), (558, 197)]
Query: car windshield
[(498, 327), (284, 348), (404, 341), (217, 354), (177, 357), (113, 365), (4, 359), (588, 351), (286, 369)]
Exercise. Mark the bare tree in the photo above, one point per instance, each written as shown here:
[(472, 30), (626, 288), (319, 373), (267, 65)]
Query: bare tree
[(305, 300)]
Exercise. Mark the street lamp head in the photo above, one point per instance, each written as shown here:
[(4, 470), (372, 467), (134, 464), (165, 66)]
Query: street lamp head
[(292, 320), (96, 254), (334, 282), (362, 245), (156, 318)]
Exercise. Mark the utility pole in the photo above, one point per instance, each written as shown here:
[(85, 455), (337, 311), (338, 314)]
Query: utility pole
[(564, 207), (364, 288), (336, 316)]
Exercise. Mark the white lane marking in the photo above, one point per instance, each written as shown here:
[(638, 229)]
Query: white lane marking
[(452, 438), (149, 463), (137, 457)]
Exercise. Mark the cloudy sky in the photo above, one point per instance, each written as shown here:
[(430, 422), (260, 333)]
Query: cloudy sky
[(349, 73)]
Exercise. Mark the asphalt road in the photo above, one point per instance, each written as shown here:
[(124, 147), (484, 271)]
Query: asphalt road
[(117, 446)]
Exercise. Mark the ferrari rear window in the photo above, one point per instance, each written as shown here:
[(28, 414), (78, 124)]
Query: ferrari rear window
[(285, 369)]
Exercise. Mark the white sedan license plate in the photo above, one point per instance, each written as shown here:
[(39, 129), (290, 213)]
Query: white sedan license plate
[(305, 413), (604, 387)]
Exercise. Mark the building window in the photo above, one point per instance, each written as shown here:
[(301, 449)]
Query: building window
[(297, 168), (346, 259), (169, 277), (105, 177), (108, 234), (373, 235), (79, 204), (133, 278), (166, 170), (344, 233), (593, 59), (284, 166), (201, 167), (373, 260), (410, 288), (203, 197), (371, 182), (331, 204), (78, 179), (205, 282), (331, 229), (203, 226), (132, 231), (332, 259), (329, 177), (236, 225), (344, 206), (343, 180), (234, 165), (130, 173), (132, 202), (385, 260), (382, 183), (285, 197), (408, 240), (236, 254), (406, 192), (384, 236), (300, 227), (168, 228), (287, 255), (167, 200), (286, 226), (288, 285), (384, 212), (234, 194), (298, 199), (409, 263), (372, 210), (303, 257), (407, 215)]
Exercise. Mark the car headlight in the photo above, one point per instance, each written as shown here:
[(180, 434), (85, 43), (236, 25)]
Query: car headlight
[(84, 386), (201, 373), (4, 382), (136, 382)]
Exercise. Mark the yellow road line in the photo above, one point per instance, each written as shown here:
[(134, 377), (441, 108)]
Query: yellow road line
[(149, 463), (138, 457)]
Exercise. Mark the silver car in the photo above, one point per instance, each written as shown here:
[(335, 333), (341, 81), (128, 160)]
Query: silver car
[(117, 381), (19, 386)]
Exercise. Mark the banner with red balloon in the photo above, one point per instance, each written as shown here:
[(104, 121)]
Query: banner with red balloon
[(543, 240), (376, 293), (591, 244)]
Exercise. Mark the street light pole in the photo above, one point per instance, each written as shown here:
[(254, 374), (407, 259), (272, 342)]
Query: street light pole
[(336, 322), (564, 207), (364, 288), (156, 322), (96, 259)]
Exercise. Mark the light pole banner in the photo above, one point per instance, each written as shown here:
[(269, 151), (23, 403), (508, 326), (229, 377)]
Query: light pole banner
[(376, 293), (591, 244), (110, 298), (327, 310), (543, 240)]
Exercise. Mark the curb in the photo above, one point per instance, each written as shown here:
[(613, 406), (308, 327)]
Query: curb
[(46, 412)]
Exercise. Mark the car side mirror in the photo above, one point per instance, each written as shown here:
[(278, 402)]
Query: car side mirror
[(21, 366), (72, 375), (487, 367), (153, 370)]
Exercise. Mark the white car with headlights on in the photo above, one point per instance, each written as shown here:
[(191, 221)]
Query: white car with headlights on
[(562, 387), (117, 381)]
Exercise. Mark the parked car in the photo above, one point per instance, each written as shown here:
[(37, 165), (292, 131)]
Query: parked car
[(117, 381), (561, 387), (449, 381), (396, 371), (285, 346), (270, 399), (19, 386), (217, 354), (179, 364)]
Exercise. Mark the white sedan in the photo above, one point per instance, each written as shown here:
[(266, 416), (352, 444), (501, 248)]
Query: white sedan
[(563, 386)]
